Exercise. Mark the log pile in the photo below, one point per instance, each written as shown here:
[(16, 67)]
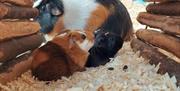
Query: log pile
[(163, 18), (19, 35)]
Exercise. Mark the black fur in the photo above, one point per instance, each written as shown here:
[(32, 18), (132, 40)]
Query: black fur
[(117, 25), (119, 22), (46, 17), (105, 47)]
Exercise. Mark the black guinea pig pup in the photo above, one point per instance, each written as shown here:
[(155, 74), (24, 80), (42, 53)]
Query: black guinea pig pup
[(105, 47), (110, 37)]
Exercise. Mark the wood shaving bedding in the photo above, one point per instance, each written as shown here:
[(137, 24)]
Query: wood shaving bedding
[(139, 75)]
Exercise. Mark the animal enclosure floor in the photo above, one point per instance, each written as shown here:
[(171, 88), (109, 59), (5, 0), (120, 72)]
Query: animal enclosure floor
[(126, 72)]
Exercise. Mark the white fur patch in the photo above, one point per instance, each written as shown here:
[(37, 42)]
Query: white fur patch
[(86, 45), (63, 34), (48, 38), (37, 3), (82, 32), (77, 12)]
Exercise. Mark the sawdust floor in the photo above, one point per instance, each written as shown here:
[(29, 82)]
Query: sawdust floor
[(126, 72), (138, 76)]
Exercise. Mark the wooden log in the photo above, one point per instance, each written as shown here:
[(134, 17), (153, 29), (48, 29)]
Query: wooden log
[(169, 25), (168, 8), (12, 69), (16, 12), (164, 41), (26, 3), (11, 48), (13, 29), (160, 0), (156, 57)]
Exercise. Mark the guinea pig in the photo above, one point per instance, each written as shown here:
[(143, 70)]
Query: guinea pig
[(106, 46), (59, 57), (111, 35)]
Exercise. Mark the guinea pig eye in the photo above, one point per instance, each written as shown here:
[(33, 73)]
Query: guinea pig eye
[(96, 32), (55, 11), (106, 34)]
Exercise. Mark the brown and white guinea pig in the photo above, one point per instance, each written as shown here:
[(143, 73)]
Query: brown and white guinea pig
[(109, 17), (59, 57)]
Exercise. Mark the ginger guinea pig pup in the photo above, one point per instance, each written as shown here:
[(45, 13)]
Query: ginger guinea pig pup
[(59, 57)]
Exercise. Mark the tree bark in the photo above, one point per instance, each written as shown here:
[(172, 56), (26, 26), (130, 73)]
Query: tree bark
[(169, 25), (11, 48), (164, 41), (156, 57)]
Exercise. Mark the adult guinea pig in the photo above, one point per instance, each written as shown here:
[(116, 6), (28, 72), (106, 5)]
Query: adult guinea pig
[(88, 16), (110, 37)]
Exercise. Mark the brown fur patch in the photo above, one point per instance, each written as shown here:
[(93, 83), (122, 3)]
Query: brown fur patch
[(54, 65), (53, 69), (59, 26), (39, 56), (96, 19), (57, 59)]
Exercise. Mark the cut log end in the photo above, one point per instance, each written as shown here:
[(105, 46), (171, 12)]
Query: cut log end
[(156, 57), (12, 69), (16, 12), (10, 49), (169, 25), (14, 29), (168, 8), (164, 41)]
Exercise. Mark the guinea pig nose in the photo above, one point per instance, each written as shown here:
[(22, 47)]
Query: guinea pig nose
[(83, 36)]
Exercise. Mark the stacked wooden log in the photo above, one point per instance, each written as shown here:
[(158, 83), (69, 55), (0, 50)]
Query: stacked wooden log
[(163, 18), (19, 35)]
